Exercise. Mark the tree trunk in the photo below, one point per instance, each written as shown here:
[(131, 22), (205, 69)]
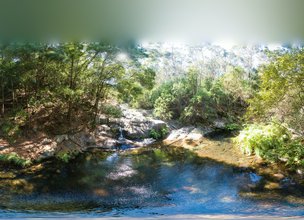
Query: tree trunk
[(2, 88), (13, 94), (3, 97), (70, 104)]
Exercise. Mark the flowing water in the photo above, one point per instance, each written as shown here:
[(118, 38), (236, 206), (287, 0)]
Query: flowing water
[(152, 182)]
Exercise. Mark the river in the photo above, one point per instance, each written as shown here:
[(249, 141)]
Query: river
[(157, 181)]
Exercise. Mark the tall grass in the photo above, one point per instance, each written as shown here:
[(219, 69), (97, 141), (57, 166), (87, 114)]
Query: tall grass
[(271, 142)]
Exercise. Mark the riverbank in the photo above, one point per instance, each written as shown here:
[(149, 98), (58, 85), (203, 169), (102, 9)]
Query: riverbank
[(218, 146), (136, 128), (133, 127)]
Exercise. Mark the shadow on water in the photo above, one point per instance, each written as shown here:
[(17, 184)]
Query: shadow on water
[(220, 134), (157, 181)]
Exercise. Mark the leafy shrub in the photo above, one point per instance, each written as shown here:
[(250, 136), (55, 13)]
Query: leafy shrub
[(112, 110), (196, 100), (162, 106), (158, 134), (272, 142), (66, 156), (144, 101), (259, 139), (234, 83), (199, 108), (15, 159), (281, 90), (10, 130), (232, 127)]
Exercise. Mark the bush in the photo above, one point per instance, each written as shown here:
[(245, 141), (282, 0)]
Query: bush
[(199, 108), (158, 134), (112, 110), (260, 139), (272, 142), (162, 106), (66, 156), (281, 90), (14, 159), (144, 101), (233, 127)]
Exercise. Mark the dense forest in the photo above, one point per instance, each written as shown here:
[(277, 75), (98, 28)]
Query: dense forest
[(59, 88)]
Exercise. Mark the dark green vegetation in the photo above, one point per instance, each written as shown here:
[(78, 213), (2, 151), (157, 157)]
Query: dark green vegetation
[(194, 99), (58, 88), (159, 134), (14, 159)]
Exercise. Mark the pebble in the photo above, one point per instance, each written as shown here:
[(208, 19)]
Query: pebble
[(278, 176)]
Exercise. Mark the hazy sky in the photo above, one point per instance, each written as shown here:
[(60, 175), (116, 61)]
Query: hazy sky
[(165, 20)]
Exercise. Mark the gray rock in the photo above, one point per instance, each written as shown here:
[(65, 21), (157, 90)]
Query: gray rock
[(48, 150), (103, 119), (220, 124), (158, 124), (137, 124), (188, 134), (61, 138), (179, 133), (83, 139), (46, 141)]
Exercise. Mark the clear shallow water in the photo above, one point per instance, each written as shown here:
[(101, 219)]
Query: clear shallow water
[(160, 181)]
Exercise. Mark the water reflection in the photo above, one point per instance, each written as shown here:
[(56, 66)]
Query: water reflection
[(162, 181)]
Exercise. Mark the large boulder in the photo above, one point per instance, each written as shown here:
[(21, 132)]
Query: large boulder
[(186, 136), (47, 150), (219, 124), (141, 129), (135, 124)]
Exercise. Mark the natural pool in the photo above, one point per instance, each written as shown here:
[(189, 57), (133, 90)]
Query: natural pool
[(148, 182)]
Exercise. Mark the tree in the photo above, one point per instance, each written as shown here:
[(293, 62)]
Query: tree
[(281, 92)]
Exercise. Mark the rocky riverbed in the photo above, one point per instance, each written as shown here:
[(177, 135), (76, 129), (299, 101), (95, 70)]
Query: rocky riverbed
[(132, 128)]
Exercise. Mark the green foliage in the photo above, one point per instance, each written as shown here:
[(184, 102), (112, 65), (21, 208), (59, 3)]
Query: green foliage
[(15, 159), (281, 94), (258, 138), (66, 156), (112, 110), (159, 134), (280, 99), (69, 78), (233, 127), (146, 78), (129, 90), (199, 101), (10, 130), (10, 127), (143, 101), (272, 142), (162, 106), (238, 85), (199, 108), (136, 88)]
